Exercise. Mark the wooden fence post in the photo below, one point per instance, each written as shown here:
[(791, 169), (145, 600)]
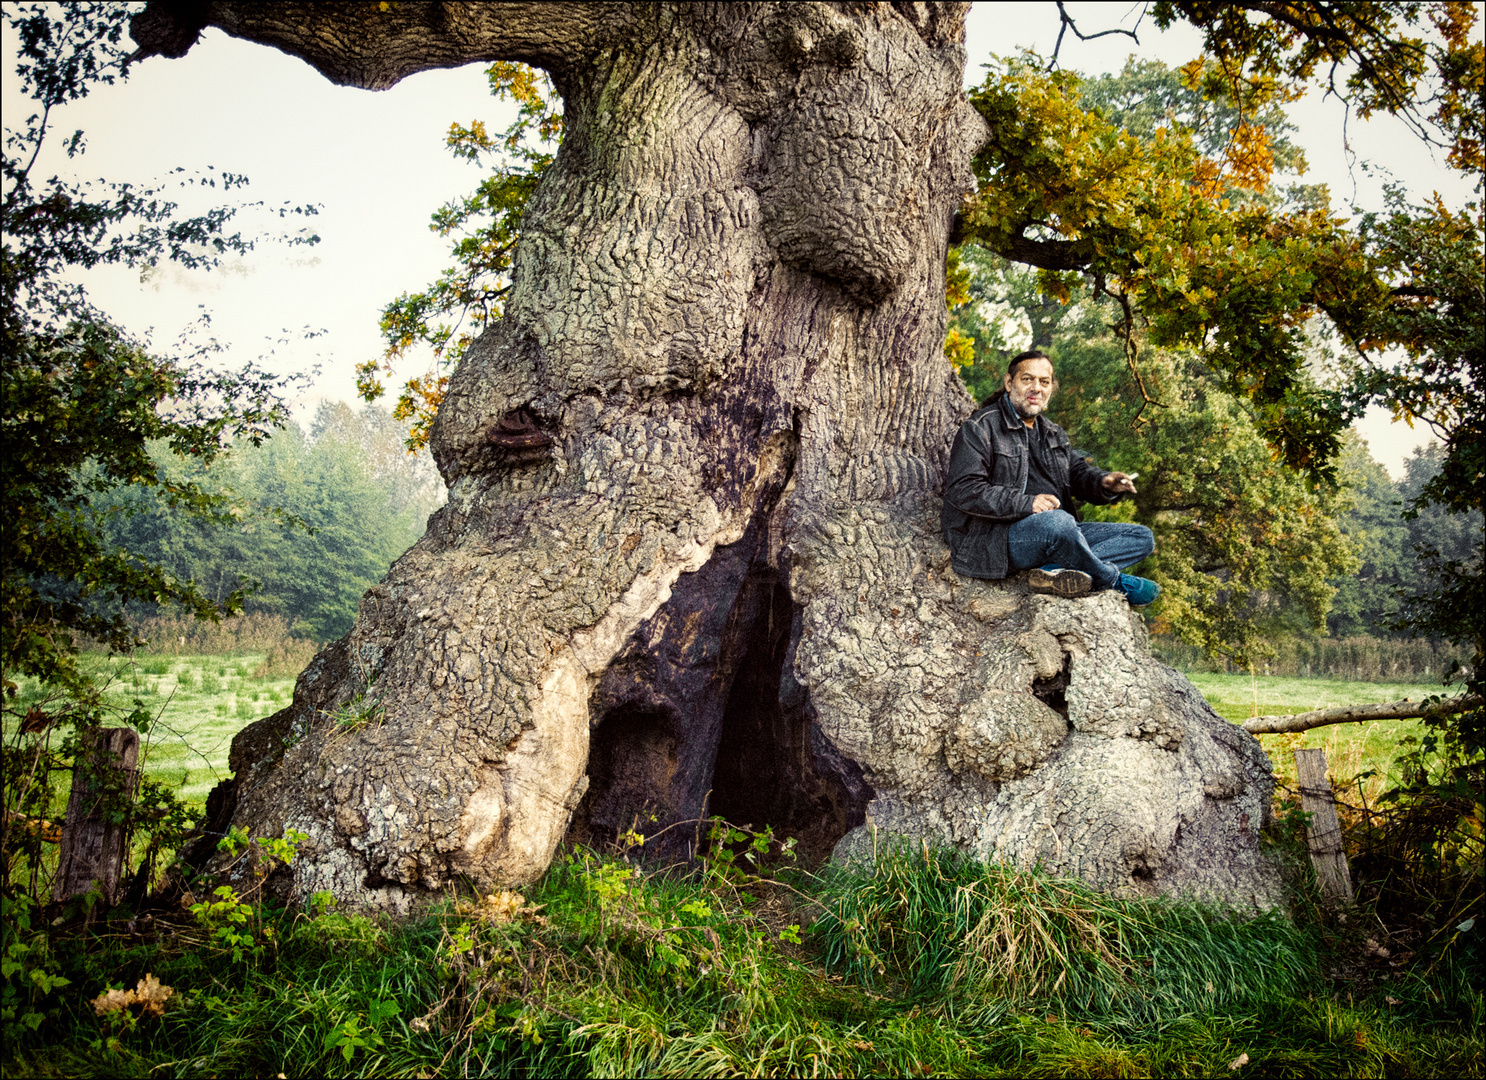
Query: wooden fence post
[(1324, 834), (94, 848)]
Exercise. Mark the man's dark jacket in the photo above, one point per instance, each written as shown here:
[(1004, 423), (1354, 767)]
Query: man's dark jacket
[(986, 490)]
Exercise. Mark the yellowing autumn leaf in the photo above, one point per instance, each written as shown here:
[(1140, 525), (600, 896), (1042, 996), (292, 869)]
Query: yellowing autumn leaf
[(112, 1000), (152, 994)]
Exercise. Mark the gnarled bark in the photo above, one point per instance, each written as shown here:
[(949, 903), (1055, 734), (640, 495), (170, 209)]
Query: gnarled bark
[(690, 560)]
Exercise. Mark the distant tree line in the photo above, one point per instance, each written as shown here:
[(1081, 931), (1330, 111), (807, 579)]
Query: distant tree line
[(1398, 549), (325, 511)]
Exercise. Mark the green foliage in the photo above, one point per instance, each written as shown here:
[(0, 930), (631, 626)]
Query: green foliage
[(1394, 545), (82, 400), (652, 975), (1158, 193), (81, 406), (28, 970), (1420, 851), (1149, 223), (1391, 52), (1369, 601), (225, 919), (1147, 96), (232, 923), (445, 317), (1435, 262), (735, 856), (1245, 544), (360, 1032)]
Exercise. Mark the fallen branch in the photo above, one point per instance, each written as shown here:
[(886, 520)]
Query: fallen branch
[(1352, 714)]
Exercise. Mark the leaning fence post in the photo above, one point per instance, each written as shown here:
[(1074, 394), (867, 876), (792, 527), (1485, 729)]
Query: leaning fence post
[(1324, 833), (94, 842)]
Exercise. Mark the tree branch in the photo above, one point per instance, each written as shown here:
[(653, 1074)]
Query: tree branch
[(1047, 254), (1351, 714), (1066, 23), (373, 46)]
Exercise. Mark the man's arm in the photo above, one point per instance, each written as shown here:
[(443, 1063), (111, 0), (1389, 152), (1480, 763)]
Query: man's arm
[(969, 488)]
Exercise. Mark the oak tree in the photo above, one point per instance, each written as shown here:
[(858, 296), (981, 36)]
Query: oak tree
[(690, 561)]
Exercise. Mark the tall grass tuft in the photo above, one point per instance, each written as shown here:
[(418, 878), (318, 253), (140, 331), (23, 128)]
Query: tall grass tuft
[(941, 923)]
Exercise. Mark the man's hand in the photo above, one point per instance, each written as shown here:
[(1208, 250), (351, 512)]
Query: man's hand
[(1124, 483), (1044, 502)]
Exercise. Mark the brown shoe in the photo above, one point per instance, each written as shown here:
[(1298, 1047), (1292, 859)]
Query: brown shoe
[(1064, 583)]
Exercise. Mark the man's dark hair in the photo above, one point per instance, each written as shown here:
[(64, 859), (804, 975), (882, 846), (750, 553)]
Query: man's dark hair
[(1030, 354)]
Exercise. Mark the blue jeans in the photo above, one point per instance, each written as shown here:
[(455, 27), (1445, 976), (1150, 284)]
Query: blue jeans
[(1100, 549)]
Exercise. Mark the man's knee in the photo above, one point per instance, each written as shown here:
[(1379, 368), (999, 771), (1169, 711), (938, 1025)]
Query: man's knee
[(1060, 522), (1143, 536)]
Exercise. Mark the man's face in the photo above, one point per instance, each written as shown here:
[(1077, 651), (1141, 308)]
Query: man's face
[(1031, 388)]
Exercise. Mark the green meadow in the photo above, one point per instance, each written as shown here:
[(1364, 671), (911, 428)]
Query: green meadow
[(201, 701), (1351, 749), (198, 703), (1235, 696)]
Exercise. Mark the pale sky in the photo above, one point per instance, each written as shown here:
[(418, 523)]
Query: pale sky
[(377, 164)]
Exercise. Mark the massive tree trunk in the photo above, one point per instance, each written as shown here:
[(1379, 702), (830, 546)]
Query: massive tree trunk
[(690, 561)]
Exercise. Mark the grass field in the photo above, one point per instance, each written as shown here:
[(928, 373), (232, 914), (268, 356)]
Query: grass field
[(203, 701), (200, 703), (1351, 749), (1235, 697)]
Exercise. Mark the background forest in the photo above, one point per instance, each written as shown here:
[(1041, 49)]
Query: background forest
[(1252, 553), (348, 498), (1255, 560)]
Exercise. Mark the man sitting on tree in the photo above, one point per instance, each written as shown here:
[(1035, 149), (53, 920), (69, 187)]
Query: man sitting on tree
[(1010, 475)]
